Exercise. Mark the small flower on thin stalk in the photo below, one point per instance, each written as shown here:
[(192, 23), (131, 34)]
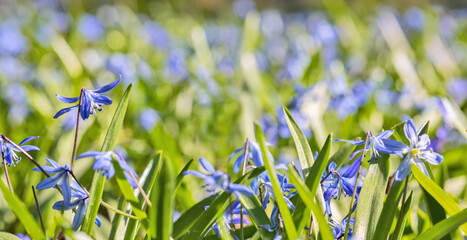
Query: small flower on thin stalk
[(61, 178), (9, 151), (91, 100)]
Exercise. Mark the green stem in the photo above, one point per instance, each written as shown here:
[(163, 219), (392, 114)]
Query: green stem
[(75, 143), (399, 220)]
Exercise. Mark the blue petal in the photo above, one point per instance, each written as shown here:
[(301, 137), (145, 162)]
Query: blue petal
[(238, 163), (130, 180), (28, 148), (347, 187), (410, 131), (109, 86), (58, 205), (431, 157), (352, 169), (27, 140), (67, 99), (422, 167), (332, 166), (355, 142), (384, 134), (49, 169), (235, 152), (101, 100), (240, 188), (195, 173), (355, 154), (404, 169), (330, 192), (63, 111), (97, 221), (50, 182), (89, 154), (256, 154), (206, 165), (66, 190), (53, 163), (79, 216), (391, 147)]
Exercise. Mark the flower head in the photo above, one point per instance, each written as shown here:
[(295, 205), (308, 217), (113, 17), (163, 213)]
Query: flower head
[(8, 151), (254, 154), (104, 163), (218, 180), (90, 102), (417, 151), (61, 178), (80, 204)]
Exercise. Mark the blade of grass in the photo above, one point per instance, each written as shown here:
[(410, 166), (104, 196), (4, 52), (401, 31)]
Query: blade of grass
[(444, 227), (407, 206), (389, 211), (98, 181)]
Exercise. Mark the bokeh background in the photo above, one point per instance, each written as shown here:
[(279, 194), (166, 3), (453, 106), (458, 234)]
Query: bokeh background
[(204, 71)]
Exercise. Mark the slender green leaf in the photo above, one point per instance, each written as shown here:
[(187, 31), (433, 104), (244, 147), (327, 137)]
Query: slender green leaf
[(301, 143), (98, 181), (389, 211), (117, 220), (371, 198), (8, 236), (307, 197), (399, 134), (290, 229), (444, 227), (407, 207), (161, 212), (438, 194), (257, 214), (178, 180), (147, 180), (189, 217), (215, 211), (312, 181), (21, 211)]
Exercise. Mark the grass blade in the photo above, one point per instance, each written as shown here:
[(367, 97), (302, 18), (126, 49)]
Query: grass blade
[(389, 211), (21, 211), (408, 205), (189, 217), (371, 198), (444, 227), (98, 181), (438, 194), (290, 229), (307, 198), (257, 214)]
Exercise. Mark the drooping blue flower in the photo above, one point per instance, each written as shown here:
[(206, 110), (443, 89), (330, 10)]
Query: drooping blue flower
[(61, 178), (218, 180), (90, 102), (376, 144), (254, 154), (80, 204), (9, 151), (104, 163), (418, 150), (339, 229)]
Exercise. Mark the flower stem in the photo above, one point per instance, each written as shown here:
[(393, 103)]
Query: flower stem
[(245, 156), (399, 220), (143, 193), (118, 211), (6, 171), (38, 208), (355, 187), (75, 143)]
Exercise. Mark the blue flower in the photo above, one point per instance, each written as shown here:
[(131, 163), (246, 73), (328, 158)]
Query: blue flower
[(253, 153), (376, 144), (339, 229), (217, 180), (104, 163), (80, 204), (8, 151), (61, 178), (90, 102), (417, 151)]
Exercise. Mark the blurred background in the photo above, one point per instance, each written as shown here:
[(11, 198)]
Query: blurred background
[(204, 71)]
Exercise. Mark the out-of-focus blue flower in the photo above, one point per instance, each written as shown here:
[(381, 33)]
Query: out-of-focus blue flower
[(176, 69), (120, 63), (457, 88), (218, 180), (415, 18), (155, 34), (12, 41), (80, 204), (243, 7), (61, 178), (91, 100), (104, 163), (90, 27), (23, 236), (149, 118), (8, 151), (417, 151)]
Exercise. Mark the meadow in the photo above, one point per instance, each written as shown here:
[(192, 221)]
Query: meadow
[(152, 120)]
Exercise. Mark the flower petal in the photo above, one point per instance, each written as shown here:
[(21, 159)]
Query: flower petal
[(85, 106), (240, 188), (101, 99), (384, 134), (109, 86), (355, 142), (422, 167), (410, 131), (424, 141), (50, 182), (28, 148), (391, 147), (404, 169), (352, 169), (206, 165), (88, 154), (195, 173), (27, 140), (63, 111), (66, 99), (431, 157), (66, 190), (79, 216)]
